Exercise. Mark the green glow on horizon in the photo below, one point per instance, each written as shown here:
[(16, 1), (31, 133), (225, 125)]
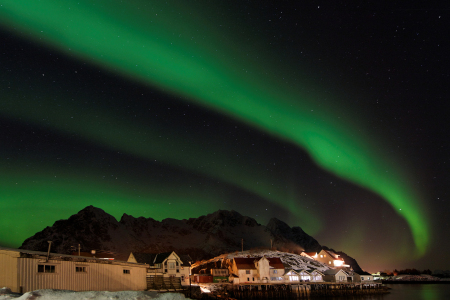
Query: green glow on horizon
[(160, 46)]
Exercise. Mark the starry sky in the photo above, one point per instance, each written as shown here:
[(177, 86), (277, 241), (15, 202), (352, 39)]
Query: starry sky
[(328, 116)]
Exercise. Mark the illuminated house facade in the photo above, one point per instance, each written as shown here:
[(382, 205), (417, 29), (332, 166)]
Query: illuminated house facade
[(257, 270), (330, 258)]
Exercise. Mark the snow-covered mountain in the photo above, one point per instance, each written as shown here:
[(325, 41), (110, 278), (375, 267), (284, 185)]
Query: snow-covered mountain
[(202, 238), (290, 260)]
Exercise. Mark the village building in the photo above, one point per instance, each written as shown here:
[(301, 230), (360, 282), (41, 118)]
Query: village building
[(297, 276), (220, 275), (362, 277), (336, 275), (310, 255), (25, 270), (257, 270), (165, 270), (316, 275), (330, 258)]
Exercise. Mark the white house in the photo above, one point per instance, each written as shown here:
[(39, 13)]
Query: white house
[(316, 275), (257, 270), (168, 264), (362, 277), (298, 276), (335, 275), (330, 258), (24, 270)]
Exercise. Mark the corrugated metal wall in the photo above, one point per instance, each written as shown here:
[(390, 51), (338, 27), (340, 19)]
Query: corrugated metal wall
[(8, 270), (98, 276)]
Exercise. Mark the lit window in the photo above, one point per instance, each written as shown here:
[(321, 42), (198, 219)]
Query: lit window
[(46, 269), (125, 271)]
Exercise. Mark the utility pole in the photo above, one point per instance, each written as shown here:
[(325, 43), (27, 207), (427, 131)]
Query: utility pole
[(48, 252)]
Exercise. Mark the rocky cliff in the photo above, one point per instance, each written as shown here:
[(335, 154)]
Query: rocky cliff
[(203, 237)]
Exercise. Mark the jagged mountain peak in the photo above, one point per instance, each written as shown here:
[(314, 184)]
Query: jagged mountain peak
[(220, 232), (276, 226), (221, 218)]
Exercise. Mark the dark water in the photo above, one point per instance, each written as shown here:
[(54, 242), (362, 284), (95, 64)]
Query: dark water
[(407, 292)]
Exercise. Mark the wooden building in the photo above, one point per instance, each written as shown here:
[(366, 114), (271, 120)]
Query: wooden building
[(24, 270), (257, 270), (166, 265), (336, 275)]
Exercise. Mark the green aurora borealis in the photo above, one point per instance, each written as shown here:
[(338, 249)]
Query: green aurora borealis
[(177, 49)]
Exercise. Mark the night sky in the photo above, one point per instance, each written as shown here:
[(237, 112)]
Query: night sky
[(328, 116)]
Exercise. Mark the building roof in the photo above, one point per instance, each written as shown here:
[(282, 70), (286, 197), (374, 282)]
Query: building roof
[(245, 262), (146, 258), (249, 262), (333, 255), (334, 272), (159, 258), (312, 271), (56, 256), (99, 254), (310, 254), (302, 270), (275, 262)]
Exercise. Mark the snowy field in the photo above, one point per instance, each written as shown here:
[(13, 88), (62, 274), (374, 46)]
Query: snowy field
[(92, 295)]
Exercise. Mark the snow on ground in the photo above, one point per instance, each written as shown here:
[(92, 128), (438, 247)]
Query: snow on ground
[(91, 295), (423, 277)]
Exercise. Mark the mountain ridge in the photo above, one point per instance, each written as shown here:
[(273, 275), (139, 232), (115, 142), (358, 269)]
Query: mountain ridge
[(204, 237)]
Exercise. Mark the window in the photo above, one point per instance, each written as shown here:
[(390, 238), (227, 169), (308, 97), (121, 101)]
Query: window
[(80, 269), (247, 271), (321, 255), (125, 271), (362, 278), (329, 262), (275, 271), (46, 269), (171, 265)]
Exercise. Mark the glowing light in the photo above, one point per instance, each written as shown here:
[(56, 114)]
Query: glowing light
[(154, 44)]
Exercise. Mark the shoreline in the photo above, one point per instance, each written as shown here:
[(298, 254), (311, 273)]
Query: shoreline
[(415, 282)]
